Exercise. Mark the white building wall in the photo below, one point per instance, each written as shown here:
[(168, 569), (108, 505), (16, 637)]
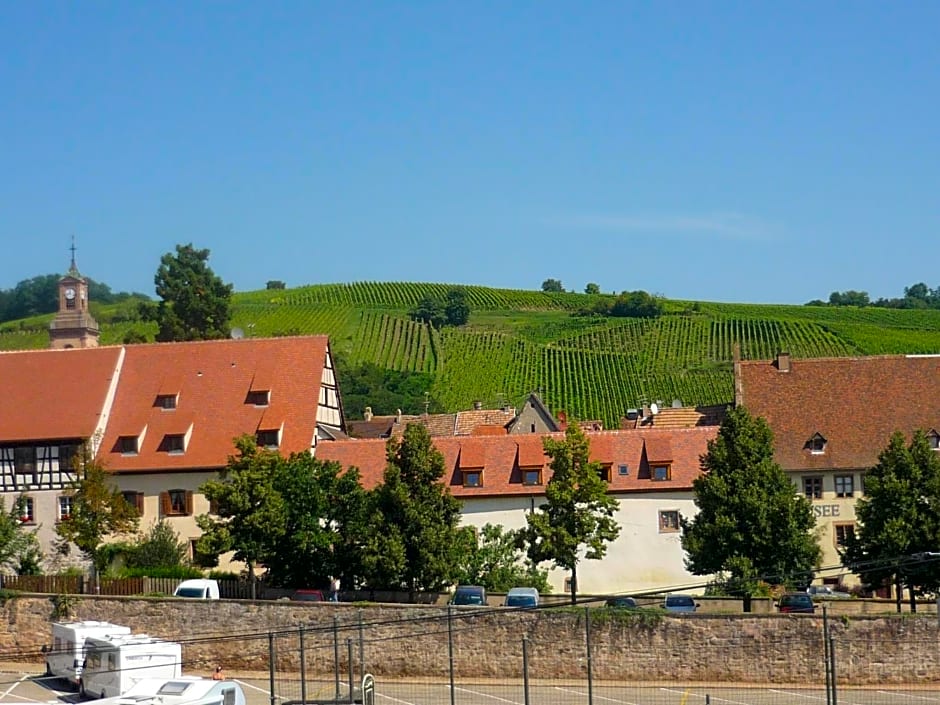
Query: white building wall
[(642, 559)]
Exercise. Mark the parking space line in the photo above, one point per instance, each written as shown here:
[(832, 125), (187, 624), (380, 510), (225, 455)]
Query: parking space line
[(906, 695), (798, 694), (389, 697), (596, 696), (712, 698), (485, 695)]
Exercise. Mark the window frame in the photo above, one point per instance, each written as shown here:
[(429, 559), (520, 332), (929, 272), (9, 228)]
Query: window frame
[(848, 486), (466, 475), (28, 511), (526, 472), (258, 397), (174, 444), (655, 474), (812, 487), (64, 499), (666, 525), (847, 527), (166, 402), (605, 472), (128, 445), (263, 435), (169, 503)]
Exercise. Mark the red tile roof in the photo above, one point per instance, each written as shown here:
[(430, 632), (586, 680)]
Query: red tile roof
[(55, 394), (501, 456), (214, 378), (854, 403)]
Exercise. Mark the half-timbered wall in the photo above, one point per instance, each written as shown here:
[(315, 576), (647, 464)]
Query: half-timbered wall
[(32, 467)]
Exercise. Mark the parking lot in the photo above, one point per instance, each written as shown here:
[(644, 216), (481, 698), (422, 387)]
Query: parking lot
[(26, 685)]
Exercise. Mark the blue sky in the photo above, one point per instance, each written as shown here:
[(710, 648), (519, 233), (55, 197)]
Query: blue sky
[(751, 152)]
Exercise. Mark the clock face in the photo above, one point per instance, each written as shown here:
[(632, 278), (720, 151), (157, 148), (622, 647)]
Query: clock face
[(70, 293)]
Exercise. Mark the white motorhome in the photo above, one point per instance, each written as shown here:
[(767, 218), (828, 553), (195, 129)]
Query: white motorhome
[(185, 690), (113, 665), (65, 655)]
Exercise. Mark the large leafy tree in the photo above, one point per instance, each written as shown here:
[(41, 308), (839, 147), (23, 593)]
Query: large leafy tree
[(751, 525), (577, 519), (20, 550), (99, 511), (496, 562), (249, 511), (899, 519), (324, 514), (414, 542), (195, 303), (160, 547)]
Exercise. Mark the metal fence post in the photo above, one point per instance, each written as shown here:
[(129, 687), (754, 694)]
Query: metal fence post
[(450, 649), (832, 655), (362, 650), (827, 657), (587, 643), (352, 675), (303, 666), (525, 669), (272, 665), (336, 653)]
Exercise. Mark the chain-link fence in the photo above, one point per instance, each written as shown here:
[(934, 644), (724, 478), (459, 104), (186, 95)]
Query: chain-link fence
[(597, 657)]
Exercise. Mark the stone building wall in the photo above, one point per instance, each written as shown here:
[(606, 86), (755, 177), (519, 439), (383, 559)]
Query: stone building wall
[(412, 641)]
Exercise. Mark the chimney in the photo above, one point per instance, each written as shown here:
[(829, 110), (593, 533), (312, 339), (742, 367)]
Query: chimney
[(783, 361), (398, 416), (477, 405), (367, 415)]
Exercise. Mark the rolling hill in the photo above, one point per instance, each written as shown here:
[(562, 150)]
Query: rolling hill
[(522, 341)]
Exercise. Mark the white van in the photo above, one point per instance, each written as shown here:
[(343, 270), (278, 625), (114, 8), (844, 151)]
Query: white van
[(185, 690), (113, 665), (198, 588), (65, 655)]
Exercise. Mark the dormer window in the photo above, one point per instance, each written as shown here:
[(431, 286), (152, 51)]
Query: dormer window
[(473, 478), (166, 401), (816, 444), (933, 438), (603, 472), (127, 445), (259, 397), (268, 437), (661, 473), (531, 476), (173, 443)]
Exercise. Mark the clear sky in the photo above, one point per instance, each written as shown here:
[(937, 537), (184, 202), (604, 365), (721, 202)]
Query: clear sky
[(746, 151)]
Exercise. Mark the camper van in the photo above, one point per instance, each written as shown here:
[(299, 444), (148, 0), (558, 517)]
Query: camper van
[(185, 690), (114, 664), (65, 655)]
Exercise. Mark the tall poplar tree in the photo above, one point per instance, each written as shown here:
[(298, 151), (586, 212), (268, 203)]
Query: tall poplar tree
[(751, 525), (577, 519), (415, 543)]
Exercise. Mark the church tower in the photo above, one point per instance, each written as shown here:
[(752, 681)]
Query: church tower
[(73, 325)]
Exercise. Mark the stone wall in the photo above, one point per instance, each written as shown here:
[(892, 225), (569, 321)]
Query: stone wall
[(412, 641)]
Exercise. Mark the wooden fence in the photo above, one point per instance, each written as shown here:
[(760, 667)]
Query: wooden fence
[(83, 585)]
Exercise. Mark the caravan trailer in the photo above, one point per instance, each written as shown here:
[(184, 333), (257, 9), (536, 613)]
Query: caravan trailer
[(65, 655), (114, 665), (185, 690)]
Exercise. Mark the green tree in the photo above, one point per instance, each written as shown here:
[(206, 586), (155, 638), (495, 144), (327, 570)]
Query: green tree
[(195, 303), (849, 298), (751, 525), (249, 511), (592, 288), (637, 304), (898, 519), (161, 547), (414, 542), (19, 548), (324, 515), (496, 562), (577, 519), (552, 285), (456, 308), (429, 310), (275, 284), (99, 511)]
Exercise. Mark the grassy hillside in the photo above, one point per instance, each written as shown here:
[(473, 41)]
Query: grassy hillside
[(521, 341)]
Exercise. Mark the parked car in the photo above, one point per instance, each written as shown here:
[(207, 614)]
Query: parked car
[(816, 591), (305, 595), (522, 597), (625, 603), (198, 588), (796, 603), (680, 603), (469, 595)]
